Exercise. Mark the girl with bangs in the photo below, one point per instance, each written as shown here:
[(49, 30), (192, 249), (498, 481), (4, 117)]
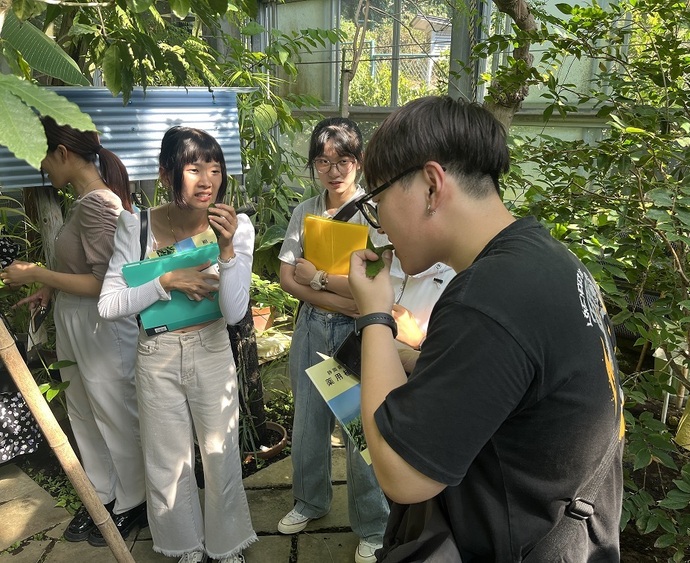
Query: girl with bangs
[(186, 379), (325, 319)]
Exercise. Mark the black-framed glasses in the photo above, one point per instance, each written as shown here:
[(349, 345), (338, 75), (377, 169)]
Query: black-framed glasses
[(324, 166), (368, 209)]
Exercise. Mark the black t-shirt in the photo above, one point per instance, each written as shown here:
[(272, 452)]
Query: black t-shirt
[(514, 400)]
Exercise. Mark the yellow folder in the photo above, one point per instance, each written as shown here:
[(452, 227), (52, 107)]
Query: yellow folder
[(328, 244)]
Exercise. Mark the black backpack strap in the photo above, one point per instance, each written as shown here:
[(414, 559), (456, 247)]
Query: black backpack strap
[(143, 232), (582, 507), (347, 212)]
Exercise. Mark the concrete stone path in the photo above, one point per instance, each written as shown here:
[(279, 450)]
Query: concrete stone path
[(30, 519)]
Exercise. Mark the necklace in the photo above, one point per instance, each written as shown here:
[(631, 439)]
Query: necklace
[(167, 212), (402, 289), (84, 192)]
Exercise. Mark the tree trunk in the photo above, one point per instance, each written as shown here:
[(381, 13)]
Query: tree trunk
[(348, 74), (507, 102), (5, 6), (44, 209)]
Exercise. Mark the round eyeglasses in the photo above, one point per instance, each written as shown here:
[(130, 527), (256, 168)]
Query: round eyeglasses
[(368, 209), (324, 166)]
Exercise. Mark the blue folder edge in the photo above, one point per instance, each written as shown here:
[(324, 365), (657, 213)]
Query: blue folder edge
[(180, 311)]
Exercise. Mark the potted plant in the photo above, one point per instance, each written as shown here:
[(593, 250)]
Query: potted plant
[(257, 435)]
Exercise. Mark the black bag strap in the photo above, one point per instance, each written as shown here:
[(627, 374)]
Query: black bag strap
[(143, 231), (550, 547), (347, 212)]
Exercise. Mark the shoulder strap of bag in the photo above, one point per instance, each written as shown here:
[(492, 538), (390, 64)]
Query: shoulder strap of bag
[(347, 212), (580, 508), (143, 231)]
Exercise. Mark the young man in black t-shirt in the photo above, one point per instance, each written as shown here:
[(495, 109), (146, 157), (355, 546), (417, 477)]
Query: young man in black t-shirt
[(515, 400)]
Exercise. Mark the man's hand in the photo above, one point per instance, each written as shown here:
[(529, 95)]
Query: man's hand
[(408, 330), (372, 295)]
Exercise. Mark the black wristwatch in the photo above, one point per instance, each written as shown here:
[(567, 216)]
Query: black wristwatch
[(375, 318)]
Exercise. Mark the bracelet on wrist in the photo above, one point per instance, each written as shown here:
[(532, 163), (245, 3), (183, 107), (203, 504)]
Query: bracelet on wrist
[(225, 261), (376, 318)]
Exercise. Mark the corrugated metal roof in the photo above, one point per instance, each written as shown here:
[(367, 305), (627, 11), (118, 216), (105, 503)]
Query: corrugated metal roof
[(134, 132)]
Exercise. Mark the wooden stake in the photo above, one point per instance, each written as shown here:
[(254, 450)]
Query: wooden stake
[(60, 444)]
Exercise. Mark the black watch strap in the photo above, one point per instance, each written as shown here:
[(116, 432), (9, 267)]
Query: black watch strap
[(374, 319)]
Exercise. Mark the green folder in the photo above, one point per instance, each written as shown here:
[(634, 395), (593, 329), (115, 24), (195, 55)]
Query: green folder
[(180, 311)]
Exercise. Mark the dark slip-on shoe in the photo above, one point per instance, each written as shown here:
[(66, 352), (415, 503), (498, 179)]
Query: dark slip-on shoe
[(82, 524), (125, 523)]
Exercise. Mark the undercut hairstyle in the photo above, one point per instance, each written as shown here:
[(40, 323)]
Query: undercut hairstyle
[(343, 133), (87, 145), (185, 145), (463, 137)]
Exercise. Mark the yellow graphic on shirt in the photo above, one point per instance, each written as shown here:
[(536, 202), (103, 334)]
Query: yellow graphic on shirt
[(614, 388), (594, 313)]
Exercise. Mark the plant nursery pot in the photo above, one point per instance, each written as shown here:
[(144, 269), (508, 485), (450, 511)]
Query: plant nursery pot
[(267, 452), (263, 318)]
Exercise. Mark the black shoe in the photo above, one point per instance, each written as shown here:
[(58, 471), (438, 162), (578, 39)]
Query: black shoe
[(82, 524), (80, 527), (124, 522)]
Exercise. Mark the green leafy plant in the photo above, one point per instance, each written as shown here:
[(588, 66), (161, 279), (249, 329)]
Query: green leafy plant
[(266, 293), (621, 202), (58, 485)]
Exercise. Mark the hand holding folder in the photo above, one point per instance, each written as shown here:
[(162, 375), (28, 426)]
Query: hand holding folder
[(328, 244), (180, 311)]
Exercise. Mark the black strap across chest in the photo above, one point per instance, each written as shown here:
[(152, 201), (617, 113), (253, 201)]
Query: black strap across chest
[(143, 232)]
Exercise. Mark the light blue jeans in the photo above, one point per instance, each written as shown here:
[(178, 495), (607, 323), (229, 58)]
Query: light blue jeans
[(186, 382), (321, 331)]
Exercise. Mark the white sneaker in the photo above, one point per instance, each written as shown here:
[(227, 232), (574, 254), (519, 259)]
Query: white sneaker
[(293, 522), (193, 557), (337, 436), (366, 552), (237, 558)]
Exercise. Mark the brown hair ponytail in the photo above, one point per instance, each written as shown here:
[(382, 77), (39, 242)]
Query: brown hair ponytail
[(87, 145)]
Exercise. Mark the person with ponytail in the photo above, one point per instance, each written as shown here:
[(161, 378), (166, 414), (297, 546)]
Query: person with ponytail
[(101, 396)]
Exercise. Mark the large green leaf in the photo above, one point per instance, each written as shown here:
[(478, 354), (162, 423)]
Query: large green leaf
[(47, 102), (112, 69), (180, 8), (138, 6), (22, 132), (265, 117), (40, 51), (20, 119)]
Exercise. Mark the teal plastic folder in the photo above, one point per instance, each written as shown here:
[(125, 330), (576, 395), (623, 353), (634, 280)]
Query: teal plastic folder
[(180, 311)]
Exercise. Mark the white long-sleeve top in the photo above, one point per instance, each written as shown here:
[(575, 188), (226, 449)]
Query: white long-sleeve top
[(119, 300)]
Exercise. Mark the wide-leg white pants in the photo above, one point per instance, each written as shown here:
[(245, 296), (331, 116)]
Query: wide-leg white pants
[(101, 397), (186, 382)]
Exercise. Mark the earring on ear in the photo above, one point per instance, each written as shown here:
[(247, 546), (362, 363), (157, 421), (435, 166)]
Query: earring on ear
[(430, 211)]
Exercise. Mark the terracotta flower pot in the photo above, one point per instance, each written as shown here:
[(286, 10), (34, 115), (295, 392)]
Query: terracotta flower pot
[(267, 452), (263, 318)]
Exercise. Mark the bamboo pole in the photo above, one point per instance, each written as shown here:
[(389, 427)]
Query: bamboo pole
[(60, 444)]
